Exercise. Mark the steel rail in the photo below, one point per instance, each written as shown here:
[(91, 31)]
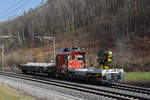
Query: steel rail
[(131, 88)]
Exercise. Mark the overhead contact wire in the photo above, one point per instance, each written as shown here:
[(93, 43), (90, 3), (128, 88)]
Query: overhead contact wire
[(10, 8), (15, 9)]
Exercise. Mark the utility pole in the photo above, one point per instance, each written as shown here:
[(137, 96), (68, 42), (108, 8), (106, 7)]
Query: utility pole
[(51, 39), (2, 47)]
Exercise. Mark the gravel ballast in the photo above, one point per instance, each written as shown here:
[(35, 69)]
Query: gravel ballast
[(37, 91), (48, 92)]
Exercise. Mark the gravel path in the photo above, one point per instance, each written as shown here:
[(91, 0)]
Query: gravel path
[(48, 92)]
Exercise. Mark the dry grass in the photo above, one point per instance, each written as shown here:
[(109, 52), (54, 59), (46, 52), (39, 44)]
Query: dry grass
[(7, 93), (12, 59)]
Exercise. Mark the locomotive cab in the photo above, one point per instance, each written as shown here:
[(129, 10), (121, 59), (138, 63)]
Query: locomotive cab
[(70, 60)]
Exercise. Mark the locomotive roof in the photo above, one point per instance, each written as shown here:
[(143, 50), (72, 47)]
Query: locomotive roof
[(72, 52)]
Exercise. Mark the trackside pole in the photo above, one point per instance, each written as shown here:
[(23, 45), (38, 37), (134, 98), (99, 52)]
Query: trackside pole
[(54, 49)]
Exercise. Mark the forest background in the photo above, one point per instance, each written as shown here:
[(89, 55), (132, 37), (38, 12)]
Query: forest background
[(122, 26)]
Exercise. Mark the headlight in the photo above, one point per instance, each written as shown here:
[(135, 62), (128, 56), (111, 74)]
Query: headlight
[(103, 74)]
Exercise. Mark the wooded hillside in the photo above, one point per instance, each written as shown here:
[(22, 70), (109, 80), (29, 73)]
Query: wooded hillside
[(118, 25)]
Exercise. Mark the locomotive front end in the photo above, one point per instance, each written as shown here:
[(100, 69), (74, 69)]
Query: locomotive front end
[(108, 74), (112, 75)]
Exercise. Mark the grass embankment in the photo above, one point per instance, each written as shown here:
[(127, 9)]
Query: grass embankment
[(137, 77), (7, 93)]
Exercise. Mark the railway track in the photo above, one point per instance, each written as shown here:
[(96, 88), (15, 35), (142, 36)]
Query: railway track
[(131, 88), (86, 88)]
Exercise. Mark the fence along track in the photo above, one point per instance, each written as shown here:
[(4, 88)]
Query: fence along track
[(78, 87)]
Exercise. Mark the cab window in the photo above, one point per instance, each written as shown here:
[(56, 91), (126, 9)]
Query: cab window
[(80, 57), (73, 57), (58, 59)]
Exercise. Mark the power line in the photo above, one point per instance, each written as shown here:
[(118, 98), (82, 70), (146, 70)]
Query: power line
[(10, 8), (15, 9)]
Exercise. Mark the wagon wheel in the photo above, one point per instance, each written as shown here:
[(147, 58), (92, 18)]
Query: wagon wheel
[(41, 70)]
